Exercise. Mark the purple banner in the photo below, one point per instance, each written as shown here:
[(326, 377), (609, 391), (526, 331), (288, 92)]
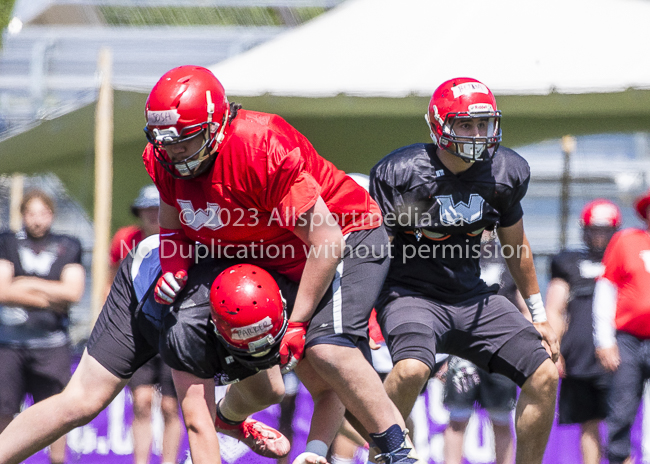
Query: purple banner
[(107, 439)]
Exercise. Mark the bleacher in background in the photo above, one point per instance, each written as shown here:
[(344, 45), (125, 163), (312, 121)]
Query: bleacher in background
[(48, 62)]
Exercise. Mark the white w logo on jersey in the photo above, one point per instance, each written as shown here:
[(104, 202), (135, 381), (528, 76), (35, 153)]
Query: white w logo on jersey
[(36, 264), (198, 218), (460, 213)]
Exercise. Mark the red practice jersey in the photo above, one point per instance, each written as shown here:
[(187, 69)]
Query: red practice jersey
[(627, 266), (265, 177), (124, 240)]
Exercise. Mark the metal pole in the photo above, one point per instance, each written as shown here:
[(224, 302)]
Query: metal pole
[(103, 183), (17, 189), (568, 148)]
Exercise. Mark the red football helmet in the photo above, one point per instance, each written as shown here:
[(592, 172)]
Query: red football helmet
[(458, 99), (249, 314), (187, 102), (601, 213), (599, 219)]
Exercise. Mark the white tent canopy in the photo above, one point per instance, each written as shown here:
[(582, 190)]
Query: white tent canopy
[(388, 48)]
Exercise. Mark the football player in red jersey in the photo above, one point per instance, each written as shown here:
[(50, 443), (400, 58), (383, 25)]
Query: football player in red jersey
[(621, 312), (253, 189), (436, 200)]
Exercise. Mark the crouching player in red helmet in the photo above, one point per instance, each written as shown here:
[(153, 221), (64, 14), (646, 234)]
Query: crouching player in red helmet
[(224, 333)]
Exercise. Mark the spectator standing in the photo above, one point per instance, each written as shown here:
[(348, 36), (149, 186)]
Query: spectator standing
[(621, 312), (154, 373), (40, 277), (569, 299)]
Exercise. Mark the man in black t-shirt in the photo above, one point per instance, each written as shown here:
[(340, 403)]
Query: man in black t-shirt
[(133, 327), (436, 200), (40, 277), (569, 298)]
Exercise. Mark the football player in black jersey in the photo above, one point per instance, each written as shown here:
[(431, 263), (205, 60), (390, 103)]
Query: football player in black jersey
[(569, 298), (436, 200), (231, 336)]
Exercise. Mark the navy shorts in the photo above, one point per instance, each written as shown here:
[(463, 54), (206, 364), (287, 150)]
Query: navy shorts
[(487, 330), (43, 372)]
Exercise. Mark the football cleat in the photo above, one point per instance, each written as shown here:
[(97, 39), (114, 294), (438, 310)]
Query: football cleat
[(261, 438)]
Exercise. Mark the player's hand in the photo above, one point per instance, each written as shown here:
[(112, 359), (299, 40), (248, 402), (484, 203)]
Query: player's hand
[(561, 366), (373, 344), (169, 286), (292, 345), (609, 357), (549, 340)]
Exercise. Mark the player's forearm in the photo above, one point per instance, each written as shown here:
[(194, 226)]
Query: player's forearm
[(19, 295), (556, 301), (522, 269)]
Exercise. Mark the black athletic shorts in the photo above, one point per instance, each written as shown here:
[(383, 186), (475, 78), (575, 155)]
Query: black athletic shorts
[(43, 372), (487, 330), (341, 317), (154, 372), (583, 399), (128, 332)]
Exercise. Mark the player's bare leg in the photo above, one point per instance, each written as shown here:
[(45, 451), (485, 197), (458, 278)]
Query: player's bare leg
[(253, 394), (590, 442), (404, 383), (360, 389), (328, 408), (90, 390), (245, 398), (172, 431), (454, 437), (357, 385), (535, 413), (503, 443), (141, 427), (57, 451)]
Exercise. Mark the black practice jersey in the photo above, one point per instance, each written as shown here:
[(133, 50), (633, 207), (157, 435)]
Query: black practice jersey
[(182, 333), (579, 269), (44, 258), (437, 217)]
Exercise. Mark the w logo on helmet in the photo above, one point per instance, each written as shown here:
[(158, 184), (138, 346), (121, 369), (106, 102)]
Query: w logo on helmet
[(460, 213), (197, 218)]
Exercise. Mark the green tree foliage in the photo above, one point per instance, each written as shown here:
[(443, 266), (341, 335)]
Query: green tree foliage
[(6, 7)]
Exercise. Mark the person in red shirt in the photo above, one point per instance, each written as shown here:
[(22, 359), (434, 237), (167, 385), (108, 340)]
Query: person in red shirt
[(145, 207), (251, 188), (621, 312)]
